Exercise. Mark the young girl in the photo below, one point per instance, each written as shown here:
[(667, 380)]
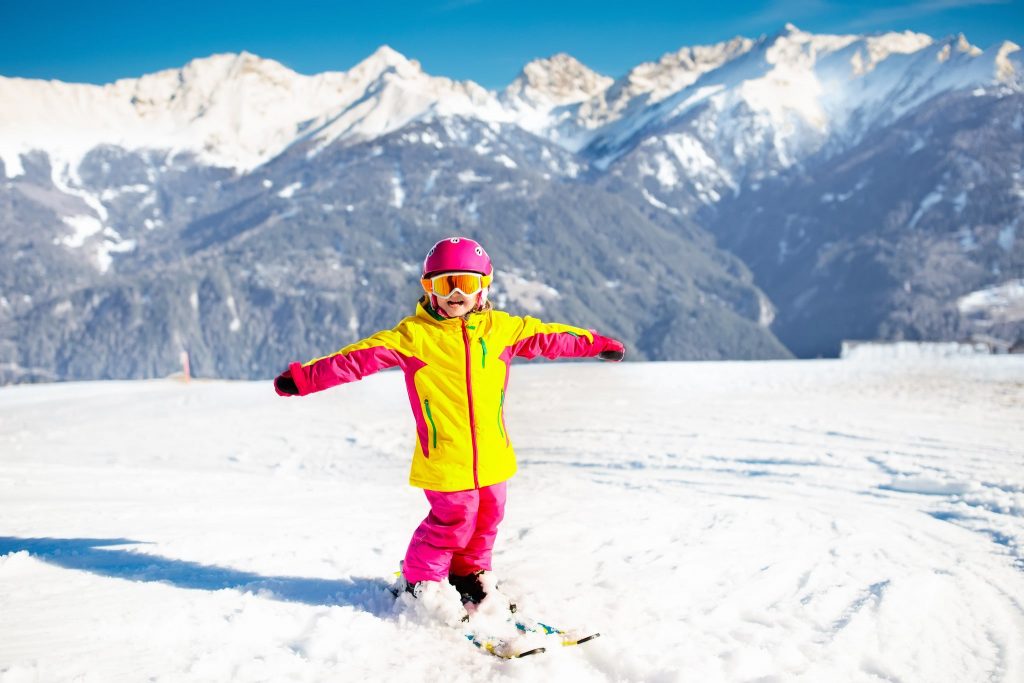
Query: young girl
[(455, 353)]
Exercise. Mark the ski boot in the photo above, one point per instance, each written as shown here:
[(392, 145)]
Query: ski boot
[(474, 588)]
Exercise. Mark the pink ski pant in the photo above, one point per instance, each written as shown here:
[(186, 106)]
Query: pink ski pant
[(457, 537)]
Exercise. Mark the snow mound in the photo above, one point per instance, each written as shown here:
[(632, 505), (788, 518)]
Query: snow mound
[(1002, 303), (876, 351), (930, 485), (436, 603)]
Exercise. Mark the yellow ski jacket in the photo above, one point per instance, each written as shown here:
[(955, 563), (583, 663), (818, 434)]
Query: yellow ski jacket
[(456, 372)]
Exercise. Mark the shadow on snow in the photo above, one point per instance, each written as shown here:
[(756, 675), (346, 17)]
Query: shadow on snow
[(103, 557)]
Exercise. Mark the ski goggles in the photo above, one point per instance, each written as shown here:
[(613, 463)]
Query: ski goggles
[(444, 285)]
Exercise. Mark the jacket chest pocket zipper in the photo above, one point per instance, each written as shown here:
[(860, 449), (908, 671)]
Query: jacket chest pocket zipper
[(501, 418), (483, 351), (430, 418)]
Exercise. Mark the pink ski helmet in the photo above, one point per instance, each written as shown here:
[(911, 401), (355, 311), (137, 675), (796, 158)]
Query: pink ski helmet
[(457, 254)]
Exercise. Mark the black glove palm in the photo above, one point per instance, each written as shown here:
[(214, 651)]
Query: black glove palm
[(285, 385)]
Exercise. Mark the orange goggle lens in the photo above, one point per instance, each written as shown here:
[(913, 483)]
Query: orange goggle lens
[(445, 284)]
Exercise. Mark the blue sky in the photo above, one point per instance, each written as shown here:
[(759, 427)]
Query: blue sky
[(487, 41)]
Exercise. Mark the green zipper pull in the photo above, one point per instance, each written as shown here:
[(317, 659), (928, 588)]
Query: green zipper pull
[(483, 347), (433, 427)]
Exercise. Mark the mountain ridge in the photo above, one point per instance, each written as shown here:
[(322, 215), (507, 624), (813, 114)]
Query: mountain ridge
[(205, 207), (195, 90)]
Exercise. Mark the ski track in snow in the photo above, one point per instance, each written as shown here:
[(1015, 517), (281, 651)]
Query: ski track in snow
[(805, 520)]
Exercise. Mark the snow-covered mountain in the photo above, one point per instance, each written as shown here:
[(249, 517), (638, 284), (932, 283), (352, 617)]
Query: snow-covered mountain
[(780, 100), (242, 110), (229, 110), (116, 200)]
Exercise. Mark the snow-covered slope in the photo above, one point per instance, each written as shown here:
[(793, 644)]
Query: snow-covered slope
[(798, 521), (1001, 303)]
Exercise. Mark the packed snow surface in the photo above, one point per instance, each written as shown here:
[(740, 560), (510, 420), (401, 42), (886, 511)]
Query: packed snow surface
[(802, 520)]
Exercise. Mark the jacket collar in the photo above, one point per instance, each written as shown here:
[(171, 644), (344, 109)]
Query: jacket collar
[(425, 310)]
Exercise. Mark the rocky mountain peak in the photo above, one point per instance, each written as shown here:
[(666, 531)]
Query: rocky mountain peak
[(558, 80), (206, 73), (676, 70)]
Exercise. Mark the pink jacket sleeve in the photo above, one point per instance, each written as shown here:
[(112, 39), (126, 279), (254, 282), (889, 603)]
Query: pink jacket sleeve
[(350, 364), (555, 340)]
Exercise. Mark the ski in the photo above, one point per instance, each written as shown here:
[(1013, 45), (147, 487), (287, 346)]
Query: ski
[(506, 648), (512, 646), (502, 647), (568, 638)]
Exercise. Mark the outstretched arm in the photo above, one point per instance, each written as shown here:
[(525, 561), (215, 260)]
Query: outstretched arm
[(555, 340), (350, 364)]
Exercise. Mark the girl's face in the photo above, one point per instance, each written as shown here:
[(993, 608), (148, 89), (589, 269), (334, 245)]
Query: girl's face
[(458, 304)]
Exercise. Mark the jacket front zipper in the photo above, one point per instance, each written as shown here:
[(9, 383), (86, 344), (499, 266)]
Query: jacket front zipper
[(469, 395)]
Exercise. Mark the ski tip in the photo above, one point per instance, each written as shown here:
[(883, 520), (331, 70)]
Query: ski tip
[(534, 651), (587, 639)]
